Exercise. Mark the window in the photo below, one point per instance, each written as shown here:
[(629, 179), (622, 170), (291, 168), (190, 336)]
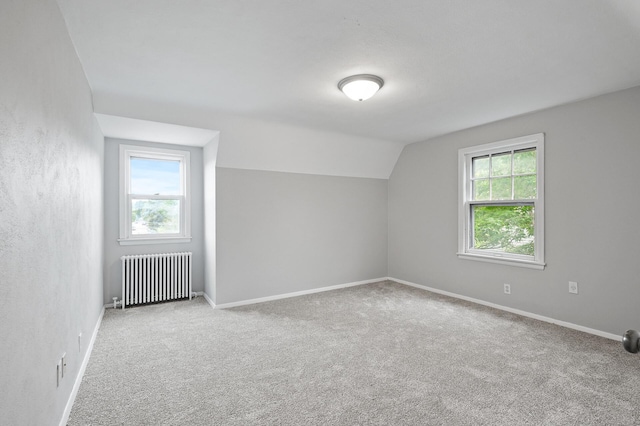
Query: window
[(154, 195), (501, 208)]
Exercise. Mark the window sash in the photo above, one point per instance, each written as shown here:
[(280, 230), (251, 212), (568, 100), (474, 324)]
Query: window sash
[(466, 196), (496, 252), (127, 152)]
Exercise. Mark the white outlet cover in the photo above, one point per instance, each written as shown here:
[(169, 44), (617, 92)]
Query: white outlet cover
[(573, 287)]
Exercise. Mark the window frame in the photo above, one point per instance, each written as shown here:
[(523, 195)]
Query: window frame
[(184, 157), (465, 203)]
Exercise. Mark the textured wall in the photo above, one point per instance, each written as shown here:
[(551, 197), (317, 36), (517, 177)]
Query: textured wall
[(113, 250), (591, 220), (283, 232), (51, 159)]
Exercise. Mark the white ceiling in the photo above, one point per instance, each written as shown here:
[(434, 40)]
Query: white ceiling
[(447, 65)]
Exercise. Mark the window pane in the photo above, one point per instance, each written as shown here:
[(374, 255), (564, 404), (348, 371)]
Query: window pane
[(507, 229), (155, 217), (501, 189), (481, 189), (524, 187), (524, 161), (501, 164), (155, 177), (481, 167)]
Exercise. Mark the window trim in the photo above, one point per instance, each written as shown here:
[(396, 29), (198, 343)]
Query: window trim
[(465, 156), (184, 157)]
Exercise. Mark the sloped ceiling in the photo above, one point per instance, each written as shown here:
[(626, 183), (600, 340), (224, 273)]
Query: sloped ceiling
[(144, 130), (447, 65)]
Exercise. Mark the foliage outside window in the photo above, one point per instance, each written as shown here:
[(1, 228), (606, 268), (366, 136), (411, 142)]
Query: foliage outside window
[(501, 202), (154, 201)]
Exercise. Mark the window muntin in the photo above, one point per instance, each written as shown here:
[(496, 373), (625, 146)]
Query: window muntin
[(502, 203), (504, 176), (154, 200)]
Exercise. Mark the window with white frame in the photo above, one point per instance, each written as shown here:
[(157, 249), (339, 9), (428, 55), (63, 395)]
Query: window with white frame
[(501, 207), (154, 195)]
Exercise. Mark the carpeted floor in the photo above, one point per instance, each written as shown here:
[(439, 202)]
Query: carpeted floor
[(379, 354)]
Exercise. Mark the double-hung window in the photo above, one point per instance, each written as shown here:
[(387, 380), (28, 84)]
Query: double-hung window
[(154, 195), (501, 207)]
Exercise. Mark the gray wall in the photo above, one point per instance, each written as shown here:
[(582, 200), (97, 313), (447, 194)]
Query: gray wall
[(285, 232), (113, 250), (51, 160), (591, 215)]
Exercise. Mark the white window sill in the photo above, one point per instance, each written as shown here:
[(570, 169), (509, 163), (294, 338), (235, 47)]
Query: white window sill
[(503, 261), (160, 240)]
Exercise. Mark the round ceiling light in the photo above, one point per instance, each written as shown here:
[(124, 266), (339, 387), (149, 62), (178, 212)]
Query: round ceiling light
[(360, 87)]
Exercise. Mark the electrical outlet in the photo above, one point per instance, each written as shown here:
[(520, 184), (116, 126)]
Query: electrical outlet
[(507, 289), (573, 287), (80, 342), (63, 364)]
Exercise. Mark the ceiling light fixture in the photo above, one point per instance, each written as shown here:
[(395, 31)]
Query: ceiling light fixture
[(360, 87)]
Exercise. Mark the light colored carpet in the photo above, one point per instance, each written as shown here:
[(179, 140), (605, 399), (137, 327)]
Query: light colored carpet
[(379, 354)]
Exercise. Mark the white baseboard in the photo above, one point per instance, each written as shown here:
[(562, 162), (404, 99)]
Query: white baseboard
[(294, 294), (512, 310), (80, 375), (208, 299), (110, 305)]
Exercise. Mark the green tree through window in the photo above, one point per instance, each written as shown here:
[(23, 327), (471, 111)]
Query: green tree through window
[(504, 228), (155, 216)]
